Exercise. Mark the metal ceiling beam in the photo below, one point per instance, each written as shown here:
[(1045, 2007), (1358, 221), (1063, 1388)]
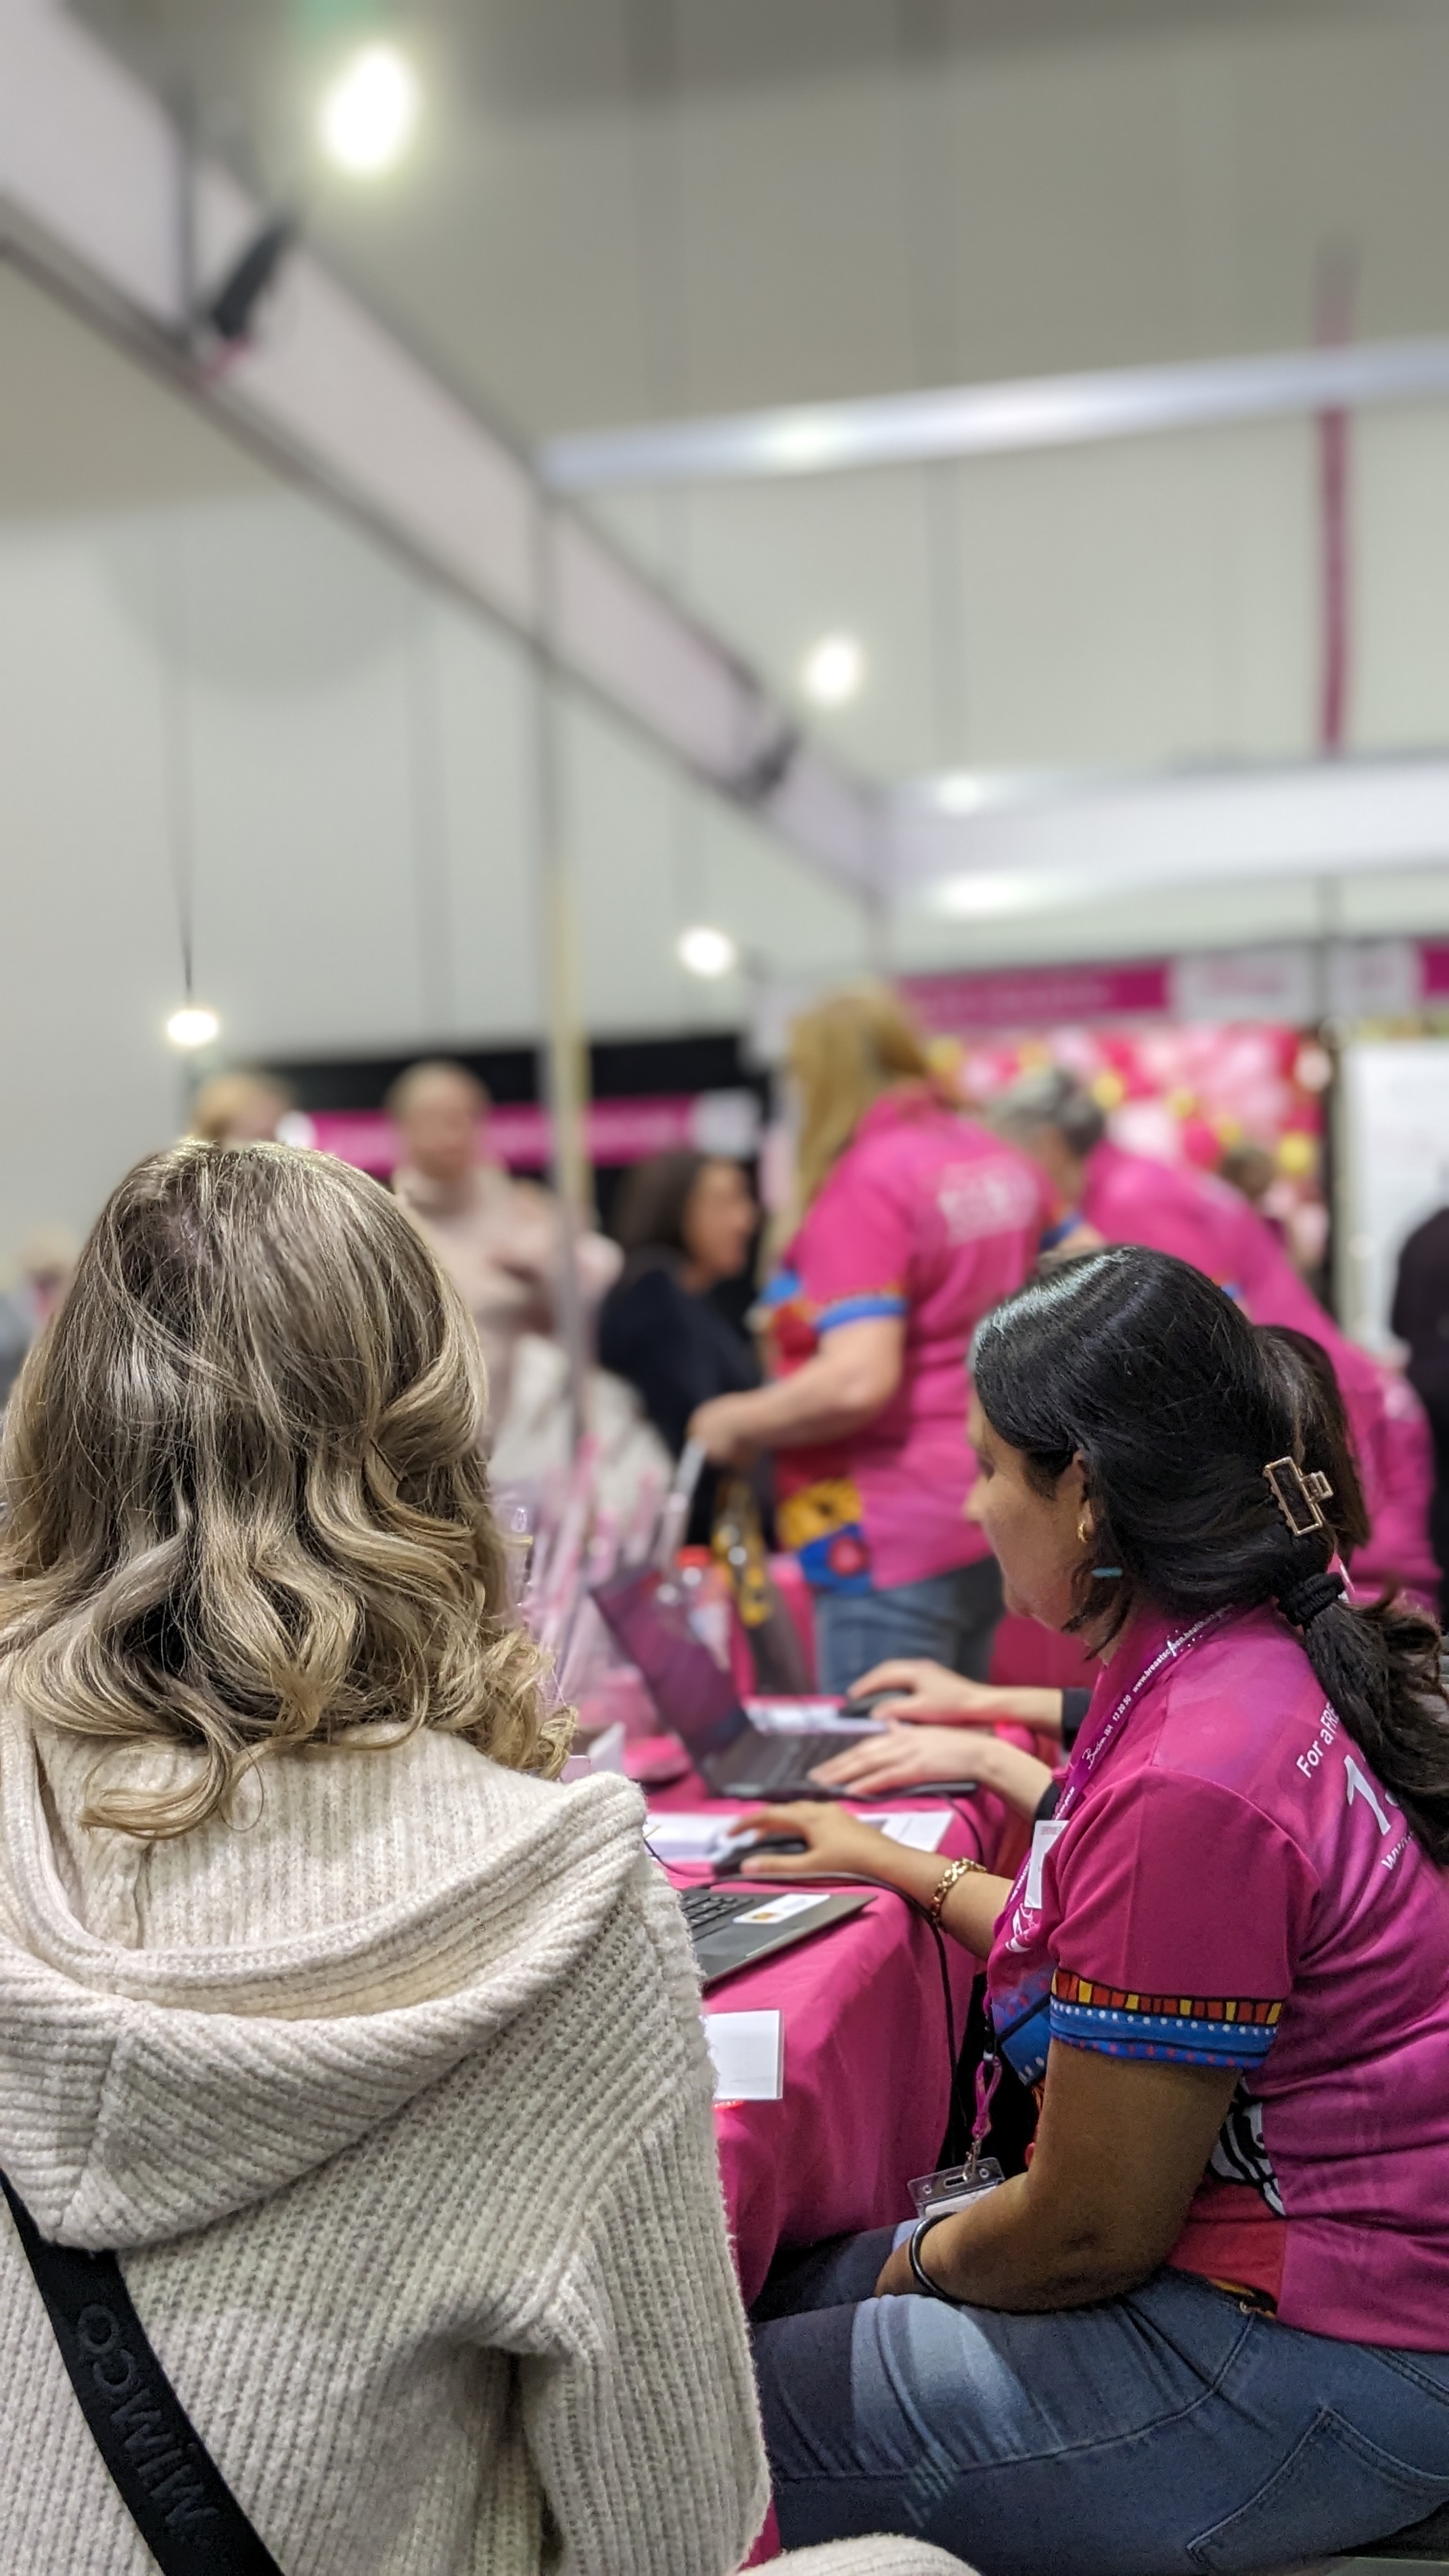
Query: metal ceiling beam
[(989, 850), (996, 420), (101, 201)]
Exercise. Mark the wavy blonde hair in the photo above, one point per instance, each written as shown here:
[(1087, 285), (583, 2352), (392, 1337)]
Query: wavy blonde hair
[(243, 1506), (845, 1054)]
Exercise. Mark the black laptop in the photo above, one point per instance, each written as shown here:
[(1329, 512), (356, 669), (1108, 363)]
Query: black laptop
[(732, 1927), (647, 1612)]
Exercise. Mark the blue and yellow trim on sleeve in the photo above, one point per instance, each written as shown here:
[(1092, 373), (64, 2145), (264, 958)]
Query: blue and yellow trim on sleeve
[(1188, 2030), (866, 1307), (1052, 1235)]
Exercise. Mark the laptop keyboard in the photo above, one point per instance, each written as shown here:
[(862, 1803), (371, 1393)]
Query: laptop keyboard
[(709, 1909)]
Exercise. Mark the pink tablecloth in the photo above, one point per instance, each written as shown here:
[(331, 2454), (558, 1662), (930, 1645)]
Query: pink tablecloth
[(867, 2076)]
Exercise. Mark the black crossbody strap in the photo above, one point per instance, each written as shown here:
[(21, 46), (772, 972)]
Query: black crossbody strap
[(172, 2488)]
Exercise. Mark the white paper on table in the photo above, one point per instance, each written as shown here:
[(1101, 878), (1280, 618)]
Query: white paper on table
[(687, 1837), (748, 2049), (702, 1837), (807, 1717), (922, 1830)]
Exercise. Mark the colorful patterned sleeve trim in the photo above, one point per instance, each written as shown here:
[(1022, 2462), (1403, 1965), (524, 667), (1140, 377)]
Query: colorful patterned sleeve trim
[(863, 1309), (1191, 2030)]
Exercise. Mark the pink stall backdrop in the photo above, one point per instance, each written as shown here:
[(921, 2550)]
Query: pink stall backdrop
[(619, 1131)]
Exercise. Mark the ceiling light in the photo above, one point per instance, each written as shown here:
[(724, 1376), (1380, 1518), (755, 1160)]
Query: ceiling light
[(193, 1026), (960, 791), (707, 952), (833, 670), (985, 895), (368, 114)]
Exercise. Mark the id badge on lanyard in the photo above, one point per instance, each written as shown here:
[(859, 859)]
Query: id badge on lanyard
[(937, 2194)]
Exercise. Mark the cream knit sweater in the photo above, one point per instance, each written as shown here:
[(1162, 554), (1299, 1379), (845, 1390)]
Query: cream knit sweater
[(393, 2098)]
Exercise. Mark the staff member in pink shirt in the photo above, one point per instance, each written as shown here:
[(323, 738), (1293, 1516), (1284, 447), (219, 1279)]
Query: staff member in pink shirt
[(1208, 2326), (914, 1223), (1132, 1198)]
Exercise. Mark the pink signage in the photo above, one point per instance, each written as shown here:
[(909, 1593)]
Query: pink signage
[(1433, 969), (964, 1006), (619, 1131)]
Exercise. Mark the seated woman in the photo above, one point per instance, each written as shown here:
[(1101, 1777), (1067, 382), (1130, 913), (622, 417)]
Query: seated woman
[(376, 2054), (1209, 2326)]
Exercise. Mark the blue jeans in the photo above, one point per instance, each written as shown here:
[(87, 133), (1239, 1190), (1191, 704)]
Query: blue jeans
[(951, 1617), (1169, 2430)]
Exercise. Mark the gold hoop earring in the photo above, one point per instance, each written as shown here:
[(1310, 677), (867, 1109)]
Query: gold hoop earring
[(1084, 1535)]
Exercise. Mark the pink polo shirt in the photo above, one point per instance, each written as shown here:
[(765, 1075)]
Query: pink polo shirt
[(927, 1217), (1235, 1889), (1130, 1198)]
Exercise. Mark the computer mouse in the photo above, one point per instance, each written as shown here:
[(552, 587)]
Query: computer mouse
[(734, 1859), (867, 1704)]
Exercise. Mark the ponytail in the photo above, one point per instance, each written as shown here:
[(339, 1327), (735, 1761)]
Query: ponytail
[(1379, 1667), (1379, 1663), (1176, 1406)]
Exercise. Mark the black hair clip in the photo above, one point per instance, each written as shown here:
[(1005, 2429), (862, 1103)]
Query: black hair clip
[(1299, 1498)]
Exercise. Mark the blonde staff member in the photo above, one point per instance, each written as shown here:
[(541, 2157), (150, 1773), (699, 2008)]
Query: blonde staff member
[(914, 1221)]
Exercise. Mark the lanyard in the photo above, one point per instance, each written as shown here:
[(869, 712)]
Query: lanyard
[(1091, 1750)]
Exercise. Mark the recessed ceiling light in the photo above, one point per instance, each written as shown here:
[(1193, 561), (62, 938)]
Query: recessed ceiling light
[(368, 114), (193, 1026), (833, 670), (705, 951)]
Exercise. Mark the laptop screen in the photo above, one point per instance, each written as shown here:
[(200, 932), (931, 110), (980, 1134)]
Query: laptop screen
[(646, 1611)]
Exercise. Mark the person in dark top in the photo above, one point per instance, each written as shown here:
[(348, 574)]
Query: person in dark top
[(685, 1222), (1420, 1317)]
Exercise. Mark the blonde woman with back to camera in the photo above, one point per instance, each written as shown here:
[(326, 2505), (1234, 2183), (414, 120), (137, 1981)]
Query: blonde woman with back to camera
[(374, 2053)]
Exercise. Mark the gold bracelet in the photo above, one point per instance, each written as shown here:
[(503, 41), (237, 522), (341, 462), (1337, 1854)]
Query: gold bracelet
[(956, 1869)]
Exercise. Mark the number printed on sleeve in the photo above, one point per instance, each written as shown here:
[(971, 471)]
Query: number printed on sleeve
[(1359, 1786)]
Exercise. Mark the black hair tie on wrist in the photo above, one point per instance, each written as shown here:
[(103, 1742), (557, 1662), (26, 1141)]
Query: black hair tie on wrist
[(1306, 1601), (924, 2283)]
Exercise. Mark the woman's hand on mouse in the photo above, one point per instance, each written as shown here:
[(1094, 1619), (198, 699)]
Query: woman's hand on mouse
[(833, 1839)]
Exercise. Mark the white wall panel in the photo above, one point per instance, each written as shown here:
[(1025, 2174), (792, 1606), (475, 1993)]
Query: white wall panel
[(483, 820), (1145, 602), (651, 856), (1399, 683), (88, 960), (1153, 602)]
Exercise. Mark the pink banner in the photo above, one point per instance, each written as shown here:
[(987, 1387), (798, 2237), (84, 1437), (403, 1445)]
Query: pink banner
[(964, 1006), (620, 1131), (1433, 969)]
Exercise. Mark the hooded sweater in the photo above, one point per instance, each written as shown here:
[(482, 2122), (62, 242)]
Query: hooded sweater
[(392, 2096)]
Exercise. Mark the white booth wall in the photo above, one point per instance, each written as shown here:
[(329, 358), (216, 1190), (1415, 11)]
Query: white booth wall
[(221, 698)]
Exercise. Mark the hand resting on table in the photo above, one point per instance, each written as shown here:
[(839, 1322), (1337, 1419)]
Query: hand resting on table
[(923, 1693), (910, 1754)]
